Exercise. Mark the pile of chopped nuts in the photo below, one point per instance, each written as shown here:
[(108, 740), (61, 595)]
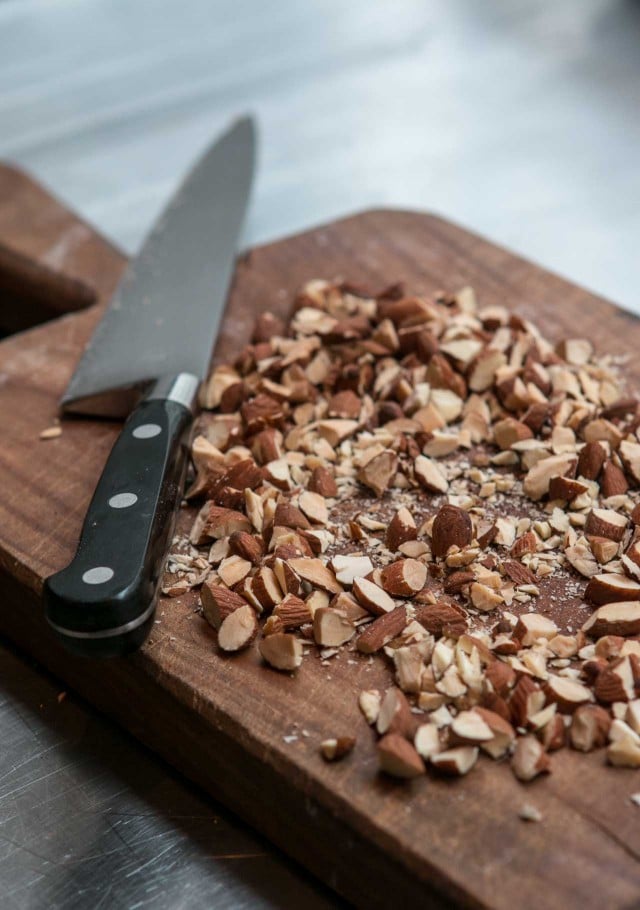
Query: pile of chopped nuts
[(435, 483)]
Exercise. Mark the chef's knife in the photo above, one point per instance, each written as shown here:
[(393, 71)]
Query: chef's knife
[(153, 344)]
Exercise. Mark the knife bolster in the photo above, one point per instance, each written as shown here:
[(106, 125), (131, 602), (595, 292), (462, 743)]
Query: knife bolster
[(183, 389)]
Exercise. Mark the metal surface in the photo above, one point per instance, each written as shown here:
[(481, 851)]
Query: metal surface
[(163, 318), (518, 118), (90, 819)]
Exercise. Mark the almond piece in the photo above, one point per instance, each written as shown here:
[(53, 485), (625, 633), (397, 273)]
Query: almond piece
[(233, 569), (589, 728), (532, 626), (529, 759), (566, 488), (335, 430), (567, 694), (291, 613), (266, 589), (632, 715), (336, 749), (510, 430), (502, 677), (267, 446), (332, 628), (616, 683), (437, 617), (457, 582), (322, 482), (238, 629), (591, 459), (440, 375), (518, 573), (430, 475), (502, 733), (528, 543), (404, 578), (395, 714), (255, 509), (451, 527), (213, 522), (289, 516), (576, 351), (372, 597), (398, 758), (603, 549), (538, 478), (409, 664), (427, 741), (469, 728), (527, 698), (622, 618), (285, 576), (620, 729), (482, 371), (345, 404), (484, 598), (609, 588), (456, 762), (313, 505), (563, 645), (581, 558), (378, 473), (348, 568), (248, 546), (402, 528), (613, 482), (369, 703), (602, 430), (349, 606), (281, 651), (630, 455), (219, 602), (609, 647), (553, 734), (633, 553), (624, 753), (316, 573), (606, 523)]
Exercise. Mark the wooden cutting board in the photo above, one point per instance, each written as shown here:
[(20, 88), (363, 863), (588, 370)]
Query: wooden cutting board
[(247, 734)]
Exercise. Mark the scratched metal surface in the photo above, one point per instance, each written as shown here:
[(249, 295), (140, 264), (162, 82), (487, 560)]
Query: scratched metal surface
[(88, 818), (518, 118)]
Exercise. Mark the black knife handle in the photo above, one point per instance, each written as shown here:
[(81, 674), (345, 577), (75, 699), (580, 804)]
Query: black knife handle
[(103, 603)]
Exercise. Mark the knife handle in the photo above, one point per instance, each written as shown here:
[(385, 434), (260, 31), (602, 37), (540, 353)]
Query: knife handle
[(103, 603)]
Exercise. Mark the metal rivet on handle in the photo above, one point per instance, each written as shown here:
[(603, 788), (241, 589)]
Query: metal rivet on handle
[(147, 431), (98, 575), (123, 500)]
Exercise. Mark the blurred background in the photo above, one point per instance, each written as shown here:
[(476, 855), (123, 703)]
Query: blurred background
[(517, 118)]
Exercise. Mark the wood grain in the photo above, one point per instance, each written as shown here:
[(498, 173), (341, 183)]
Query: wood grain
[(224, 722)]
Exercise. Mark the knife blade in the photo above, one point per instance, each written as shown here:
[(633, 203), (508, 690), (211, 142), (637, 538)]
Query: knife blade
[(153, 345)]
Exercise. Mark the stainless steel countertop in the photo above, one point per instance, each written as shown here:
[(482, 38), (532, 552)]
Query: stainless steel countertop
[(518, 118)]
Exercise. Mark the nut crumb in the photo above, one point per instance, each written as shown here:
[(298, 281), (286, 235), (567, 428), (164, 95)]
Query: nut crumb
[(51, 433), (529, 813)]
